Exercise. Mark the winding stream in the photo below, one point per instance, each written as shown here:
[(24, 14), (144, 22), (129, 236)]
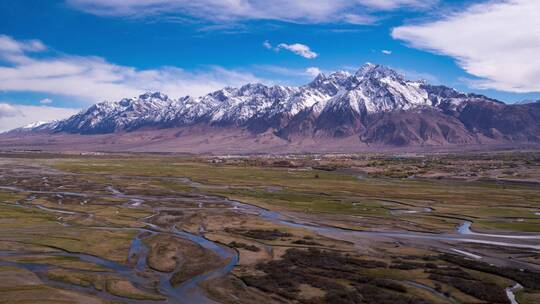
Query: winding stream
[(510, 293), (464, 234), (189, 291)]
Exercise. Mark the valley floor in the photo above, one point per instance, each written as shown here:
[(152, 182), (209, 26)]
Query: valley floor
[(212, 141), (360, 228)]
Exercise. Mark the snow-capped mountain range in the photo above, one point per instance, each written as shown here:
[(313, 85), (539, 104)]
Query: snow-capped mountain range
[(375, 105)]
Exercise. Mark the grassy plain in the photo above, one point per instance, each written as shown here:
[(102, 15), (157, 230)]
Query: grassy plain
[(350, 189), (43, 224)]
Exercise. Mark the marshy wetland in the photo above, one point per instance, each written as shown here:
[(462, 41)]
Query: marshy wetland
[(270, 229)]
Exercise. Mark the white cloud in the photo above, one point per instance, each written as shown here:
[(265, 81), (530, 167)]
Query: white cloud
[(299, 49), (13, 116), (94, 79), (358, 19), (7, 110), (267, 45), (13, 51), (396, 4), (313, 71), (313, 11), (46, 101), (386, 52), (10, 45), (496, 41)]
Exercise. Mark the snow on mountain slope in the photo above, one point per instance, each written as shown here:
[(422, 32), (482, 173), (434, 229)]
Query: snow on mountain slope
[(376, 104), (34, 125), (372, 89)]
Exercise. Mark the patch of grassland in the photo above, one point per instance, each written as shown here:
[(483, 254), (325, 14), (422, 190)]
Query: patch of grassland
[(62, 261), (168, 253), (6, 196), (36, 227), (528, 296), (305, 201), (13, 216), (526, 225), (112, 245), (74, 278), (125, 289), (111, 284), (336, 192), (22, 286)]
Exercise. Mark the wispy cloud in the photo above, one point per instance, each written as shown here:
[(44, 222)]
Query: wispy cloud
[(299, 11), (7, 110), (396, 4), (313, 71), (267, 45), (95, 79), (14, 116), (297, 48), (386, 52), (9, 45), (46, 101), (496, 41), (358, 19), (13, 51)]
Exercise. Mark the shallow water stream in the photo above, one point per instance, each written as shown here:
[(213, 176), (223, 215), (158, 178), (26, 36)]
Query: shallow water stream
[(189, 291)]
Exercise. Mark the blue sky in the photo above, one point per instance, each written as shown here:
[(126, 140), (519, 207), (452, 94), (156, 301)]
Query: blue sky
[(69, 54)]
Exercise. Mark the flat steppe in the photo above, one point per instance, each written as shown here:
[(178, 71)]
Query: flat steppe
[(328, 228)]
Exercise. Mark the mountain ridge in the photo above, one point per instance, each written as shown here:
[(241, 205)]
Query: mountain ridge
[(375, 105)]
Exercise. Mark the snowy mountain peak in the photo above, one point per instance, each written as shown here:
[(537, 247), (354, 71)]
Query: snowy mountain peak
[(340, 75), (153, 95), (372, 89), (252, 88), (320, 78), (375, 106), (375, 71)]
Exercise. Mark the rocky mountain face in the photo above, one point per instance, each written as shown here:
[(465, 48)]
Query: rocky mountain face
[(374, 106)]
